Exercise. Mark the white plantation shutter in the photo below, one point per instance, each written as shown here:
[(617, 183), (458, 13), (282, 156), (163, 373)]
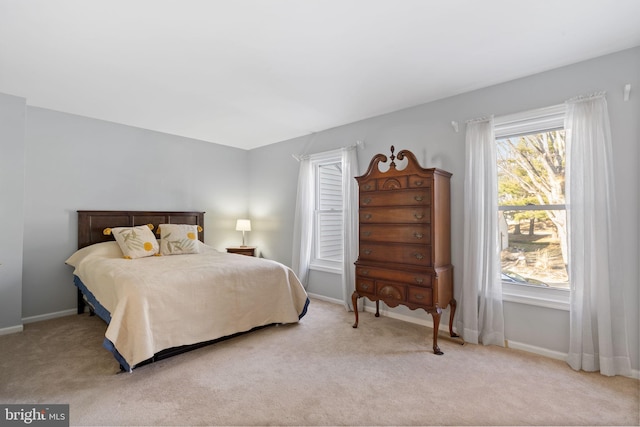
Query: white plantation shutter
[(329, 212), (326, 224)]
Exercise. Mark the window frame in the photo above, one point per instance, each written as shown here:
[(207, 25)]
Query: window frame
[(317, 263), (522, 123)]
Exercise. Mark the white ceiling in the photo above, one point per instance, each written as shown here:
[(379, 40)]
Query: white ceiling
[(247, 73)]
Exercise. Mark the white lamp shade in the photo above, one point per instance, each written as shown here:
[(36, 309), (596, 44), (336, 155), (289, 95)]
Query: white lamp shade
[(243, 225)]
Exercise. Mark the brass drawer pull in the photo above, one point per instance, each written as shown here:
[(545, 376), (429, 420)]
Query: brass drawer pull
[(418, 256), (419, 183), (365, 272), (419, 296), (367, 251), (419, 280), (367, 216), (366, 233), (418, 215), (364, 286), (367, 187), (366, 201), (418, 198), (418, 235)]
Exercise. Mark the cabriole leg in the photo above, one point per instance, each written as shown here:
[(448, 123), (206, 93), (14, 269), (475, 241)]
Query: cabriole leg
[(436, 325), (451, 314), (354, 302)]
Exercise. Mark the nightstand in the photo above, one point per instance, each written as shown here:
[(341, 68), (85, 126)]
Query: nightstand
[(242, 250)]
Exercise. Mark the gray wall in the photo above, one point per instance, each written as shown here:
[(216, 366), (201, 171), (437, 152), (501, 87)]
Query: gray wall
[(12, 117), (75, 163), (426, 130)]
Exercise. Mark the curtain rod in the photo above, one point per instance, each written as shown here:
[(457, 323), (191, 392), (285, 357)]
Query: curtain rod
[(544, 111), (358, 144)]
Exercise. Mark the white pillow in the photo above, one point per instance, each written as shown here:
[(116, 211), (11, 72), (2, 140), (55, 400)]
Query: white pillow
[(136, 242), (178, 239), (102, 250)]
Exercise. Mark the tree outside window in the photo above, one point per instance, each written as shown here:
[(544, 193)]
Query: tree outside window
[(532, 214)]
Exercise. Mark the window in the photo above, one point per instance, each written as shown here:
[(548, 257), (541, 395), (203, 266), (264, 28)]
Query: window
[(531, 196), (326, 253)]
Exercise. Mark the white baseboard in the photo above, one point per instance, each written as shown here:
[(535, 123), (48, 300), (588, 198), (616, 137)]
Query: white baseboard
[(552, 354), (323, 298), (444, 327), (536, 350), (11, 330), (38, 318), (41, 317), (428, 321)]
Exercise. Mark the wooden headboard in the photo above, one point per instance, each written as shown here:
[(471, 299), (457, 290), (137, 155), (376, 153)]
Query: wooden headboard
[(91, 224)]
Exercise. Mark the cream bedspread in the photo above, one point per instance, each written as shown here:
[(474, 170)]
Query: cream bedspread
[(162, 302)]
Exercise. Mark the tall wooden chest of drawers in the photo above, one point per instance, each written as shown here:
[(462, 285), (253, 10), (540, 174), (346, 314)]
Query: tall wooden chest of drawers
[(405, 239)]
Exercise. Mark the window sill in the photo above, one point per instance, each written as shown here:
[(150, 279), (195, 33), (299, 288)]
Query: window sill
[(326, 268), (555, 298)]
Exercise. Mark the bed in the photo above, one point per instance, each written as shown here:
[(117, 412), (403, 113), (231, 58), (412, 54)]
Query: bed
[(157, 306)]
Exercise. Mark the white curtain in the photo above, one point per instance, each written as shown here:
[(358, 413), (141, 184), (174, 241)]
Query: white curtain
[(598, 336), (302, 226), (350, 222), (481, 313)]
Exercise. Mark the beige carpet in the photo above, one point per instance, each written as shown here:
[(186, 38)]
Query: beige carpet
[(318, 372)]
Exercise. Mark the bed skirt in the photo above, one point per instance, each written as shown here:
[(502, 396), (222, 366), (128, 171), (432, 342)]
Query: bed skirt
[(103, 313)]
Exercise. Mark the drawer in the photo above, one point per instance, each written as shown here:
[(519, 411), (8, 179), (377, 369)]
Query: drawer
[(368, 185), (421, 296), (397, 198), (365, 285), (404, 254), (410, 233), (403, 276), (417, 181), (391, 291), (395, 215)]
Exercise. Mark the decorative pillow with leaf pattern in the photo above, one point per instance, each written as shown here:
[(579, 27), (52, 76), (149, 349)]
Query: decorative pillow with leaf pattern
[(136, 242), (177, 239)]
